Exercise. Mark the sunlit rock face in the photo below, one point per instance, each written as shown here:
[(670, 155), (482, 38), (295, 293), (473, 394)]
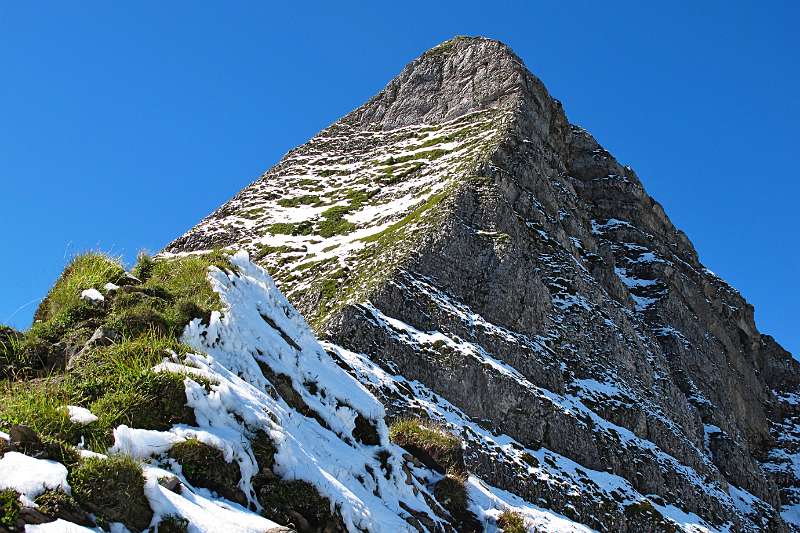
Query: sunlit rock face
[(472, 256)]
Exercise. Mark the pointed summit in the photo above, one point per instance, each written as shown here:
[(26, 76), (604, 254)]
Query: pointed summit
[(460, 76), (473, 257)]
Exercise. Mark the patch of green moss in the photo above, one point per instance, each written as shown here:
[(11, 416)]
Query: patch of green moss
[(334, 223), (306, 199), (205, 466), (313, 265), (426, 154), (291, 228), (296, 502), (392, 175), (254, 213), (393, 231), (357, 198), (329, 286), (386, 249), (113, 489), (9, 509), (266, 250), (59, 504)]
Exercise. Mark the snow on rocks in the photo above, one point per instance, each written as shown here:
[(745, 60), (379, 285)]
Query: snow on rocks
[(260, 327), (489, 502), (205, 514), (30, 477), (259, 333), (80, 415), (550, 468), (92, 295)]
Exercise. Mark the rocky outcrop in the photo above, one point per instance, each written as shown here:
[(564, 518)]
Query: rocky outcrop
[(472, 255)]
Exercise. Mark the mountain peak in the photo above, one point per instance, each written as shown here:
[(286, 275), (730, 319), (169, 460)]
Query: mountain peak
[(459, 76), (486, 262)]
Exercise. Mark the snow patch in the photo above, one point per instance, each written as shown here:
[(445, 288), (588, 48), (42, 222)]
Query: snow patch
[(80, 415), (31, 477), (92, 295)]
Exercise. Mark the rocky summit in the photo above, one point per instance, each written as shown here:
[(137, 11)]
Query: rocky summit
[(451, 310), (492, 267)]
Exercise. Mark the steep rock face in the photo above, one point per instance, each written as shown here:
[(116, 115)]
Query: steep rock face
[(472, 255)]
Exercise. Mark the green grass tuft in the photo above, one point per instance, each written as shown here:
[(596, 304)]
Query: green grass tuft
[(58, 503), (436, 153), (144, 266), (451, 492), (112, 488), (115, 379), (87, 271), (9, 509), (511, 522), (430, 443)]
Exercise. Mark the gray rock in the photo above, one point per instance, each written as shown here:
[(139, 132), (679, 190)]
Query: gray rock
[(102, 336)]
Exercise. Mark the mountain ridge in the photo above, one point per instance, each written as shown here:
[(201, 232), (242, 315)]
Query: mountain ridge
[(574, 204)]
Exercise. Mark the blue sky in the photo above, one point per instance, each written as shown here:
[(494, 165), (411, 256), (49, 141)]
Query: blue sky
[(123, 124)]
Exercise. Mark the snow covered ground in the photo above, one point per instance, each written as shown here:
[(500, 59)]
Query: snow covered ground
[(258, 326)]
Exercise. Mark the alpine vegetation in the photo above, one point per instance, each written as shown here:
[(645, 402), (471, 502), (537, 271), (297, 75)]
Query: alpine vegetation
[(452, 310)]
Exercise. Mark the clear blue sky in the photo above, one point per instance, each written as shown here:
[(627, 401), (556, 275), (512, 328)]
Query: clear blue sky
[(122, 125)]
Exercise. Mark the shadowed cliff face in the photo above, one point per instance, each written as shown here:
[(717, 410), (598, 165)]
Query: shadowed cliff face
[(492, 266)]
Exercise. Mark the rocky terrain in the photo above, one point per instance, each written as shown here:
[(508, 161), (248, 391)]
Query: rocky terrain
[(501, 331), (505, 275)]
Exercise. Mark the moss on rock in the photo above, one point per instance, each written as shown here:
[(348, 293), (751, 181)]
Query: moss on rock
[(113, 489), (58, 504), (298, 503), (205, 466)]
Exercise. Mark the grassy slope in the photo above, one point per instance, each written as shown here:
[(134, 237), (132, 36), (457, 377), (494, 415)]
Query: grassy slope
[(114, 381)]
